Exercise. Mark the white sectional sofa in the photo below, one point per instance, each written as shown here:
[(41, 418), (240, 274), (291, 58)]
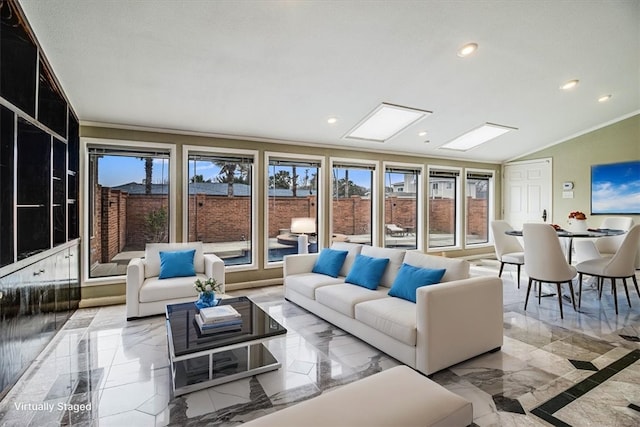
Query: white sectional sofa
[(452, 321), (147, 294)]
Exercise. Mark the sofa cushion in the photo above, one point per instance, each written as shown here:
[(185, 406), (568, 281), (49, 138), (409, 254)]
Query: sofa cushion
[(367, 271), (152, 256), (342, 298), (307, 283), (456, 268), (391, 316), (155, 289), (177, 264), (395, 257), (353, 249), (330, 262), (410, 278)]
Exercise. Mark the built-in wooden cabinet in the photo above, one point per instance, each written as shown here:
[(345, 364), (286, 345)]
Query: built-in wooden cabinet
[(35, 301), (39, 229), (39, 148)]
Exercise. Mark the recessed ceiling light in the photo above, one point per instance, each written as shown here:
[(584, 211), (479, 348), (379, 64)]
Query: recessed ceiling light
[(332, 120), (384, 122), (422, 133), (467, 49), (477, 136), (569, 85), (604, 98)]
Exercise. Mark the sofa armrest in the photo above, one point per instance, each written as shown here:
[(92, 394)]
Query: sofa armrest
[(214, 267), (298, 264), (457, 320), (135, 278)]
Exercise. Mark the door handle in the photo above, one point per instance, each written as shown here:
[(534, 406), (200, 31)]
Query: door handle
[(544, 215)]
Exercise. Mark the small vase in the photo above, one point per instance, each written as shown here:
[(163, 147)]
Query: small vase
[(577, 225), (206, 299)]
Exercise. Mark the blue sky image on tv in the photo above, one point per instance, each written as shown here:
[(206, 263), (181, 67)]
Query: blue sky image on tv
[(615, 188)]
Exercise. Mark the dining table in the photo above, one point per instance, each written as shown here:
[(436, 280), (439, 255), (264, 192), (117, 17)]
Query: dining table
[(589, 233)]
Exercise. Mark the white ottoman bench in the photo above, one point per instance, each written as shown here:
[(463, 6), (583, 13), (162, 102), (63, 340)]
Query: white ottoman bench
[(397, 397)]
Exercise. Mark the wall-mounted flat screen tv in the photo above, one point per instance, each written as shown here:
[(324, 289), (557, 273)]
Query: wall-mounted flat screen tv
[(615, 188)]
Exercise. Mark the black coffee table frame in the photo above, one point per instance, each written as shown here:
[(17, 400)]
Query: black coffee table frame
[(200, 361)]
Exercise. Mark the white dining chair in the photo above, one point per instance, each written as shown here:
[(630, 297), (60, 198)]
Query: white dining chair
[(622, 265), (508, 248), (545, 262), (586, 249)]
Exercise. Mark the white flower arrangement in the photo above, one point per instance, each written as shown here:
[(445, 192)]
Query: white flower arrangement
[(208, 285)]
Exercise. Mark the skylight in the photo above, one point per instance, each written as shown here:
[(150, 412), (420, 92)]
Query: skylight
[(385, 122), (477, 136)]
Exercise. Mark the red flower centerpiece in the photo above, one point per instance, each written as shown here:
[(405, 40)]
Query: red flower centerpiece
[(577, 215)]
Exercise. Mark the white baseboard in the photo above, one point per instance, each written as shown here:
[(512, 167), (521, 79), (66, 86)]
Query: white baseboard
[(102, 301)]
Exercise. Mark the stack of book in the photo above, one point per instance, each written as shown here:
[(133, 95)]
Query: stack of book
[(221, 318)]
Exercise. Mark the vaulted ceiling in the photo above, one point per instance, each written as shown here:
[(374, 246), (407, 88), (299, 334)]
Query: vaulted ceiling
[(277, 70)]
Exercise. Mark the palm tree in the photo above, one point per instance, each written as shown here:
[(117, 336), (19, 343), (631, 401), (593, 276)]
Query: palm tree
[(148, 173), (227, 174)]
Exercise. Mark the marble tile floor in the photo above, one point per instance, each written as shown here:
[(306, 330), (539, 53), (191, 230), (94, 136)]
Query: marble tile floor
[(583, 370)]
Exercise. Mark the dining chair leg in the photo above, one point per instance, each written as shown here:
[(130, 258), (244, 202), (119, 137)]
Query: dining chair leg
[(501, 267), (573, 300), (635, 282), (519, 276), (626, 291), (560, 299), (539, 291), (526, 300), (615, 293), (600, 286), (579, 289)]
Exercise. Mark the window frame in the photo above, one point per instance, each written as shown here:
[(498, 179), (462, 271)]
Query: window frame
[(85, 144), (420, 195), (268, 155), (222, 151), (375, 198), (490, 206), (457, 244)]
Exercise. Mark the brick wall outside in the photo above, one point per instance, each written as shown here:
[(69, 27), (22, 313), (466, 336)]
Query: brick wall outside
[(282, 209), (222, 219), (441, 212), (138, 207), (400, 211), (96, 240), (477, 219), (219, 218), (114, 223), (351, 215)]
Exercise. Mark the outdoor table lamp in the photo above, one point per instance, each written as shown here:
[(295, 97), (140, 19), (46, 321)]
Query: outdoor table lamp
[(303, 227)]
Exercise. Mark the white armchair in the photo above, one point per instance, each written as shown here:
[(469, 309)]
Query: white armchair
[(147, 294)]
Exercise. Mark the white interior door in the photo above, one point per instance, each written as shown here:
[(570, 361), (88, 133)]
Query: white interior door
[(527, 193)]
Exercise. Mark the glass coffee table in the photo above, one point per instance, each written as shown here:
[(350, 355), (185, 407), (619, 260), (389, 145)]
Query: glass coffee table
[(199, 361)]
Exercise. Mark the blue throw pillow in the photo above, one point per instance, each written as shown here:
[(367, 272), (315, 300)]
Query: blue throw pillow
[(367, 271), (330, 262), (177, 264), (410, 278)]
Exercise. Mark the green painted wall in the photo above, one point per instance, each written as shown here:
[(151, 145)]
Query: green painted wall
[(572, 160)]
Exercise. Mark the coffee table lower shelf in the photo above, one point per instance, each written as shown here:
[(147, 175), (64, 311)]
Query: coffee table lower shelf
[(206, 369)]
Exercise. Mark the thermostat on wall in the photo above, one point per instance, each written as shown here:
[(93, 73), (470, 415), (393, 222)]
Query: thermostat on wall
[(568, 185)]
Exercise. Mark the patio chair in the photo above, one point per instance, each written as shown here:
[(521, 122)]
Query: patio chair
[(394, 230)]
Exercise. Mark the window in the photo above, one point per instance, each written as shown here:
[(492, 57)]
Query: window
[(292, 193), (130, 205), (220, 205), (401, 206), (443, 207), (479, 189), (352, 205)]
